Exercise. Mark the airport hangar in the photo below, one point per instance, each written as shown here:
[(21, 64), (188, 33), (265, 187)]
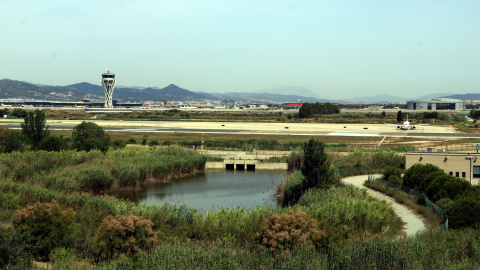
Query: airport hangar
[(436, 104)]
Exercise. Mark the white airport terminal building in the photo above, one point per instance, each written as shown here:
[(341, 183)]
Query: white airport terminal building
[(436, 104)]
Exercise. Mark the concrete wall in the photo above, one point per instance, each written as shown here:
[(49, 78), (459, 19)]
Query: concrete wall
[(456, 164), (258, 165)]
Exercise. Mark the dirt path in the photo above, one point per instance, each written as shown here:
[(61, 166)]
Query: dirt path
[(413, 222)]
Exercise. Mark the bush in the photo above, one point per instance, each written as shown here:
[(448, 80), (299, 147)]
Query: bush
[(47, 226), (154, 143), (294, 161), (285, 233), (127, 176), (52, 143), (94, 180), (393, 175), (15, 252), (129, 235), (62, 258), (132, 141), (119, 143)]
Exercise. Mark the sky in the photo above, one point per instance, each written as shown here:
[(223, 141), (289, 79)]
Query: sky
[(337, 49)]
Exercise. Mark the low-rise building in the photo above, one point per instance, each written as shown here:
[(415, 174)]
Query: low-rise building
[(463, 165)]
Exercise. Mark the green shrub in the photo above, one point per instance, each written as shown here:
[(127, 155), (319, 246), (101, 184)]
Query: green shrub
[(132, 141), (62, 258), (127, 176), (128, 235), (22, 173), (52, 143), (119, 143), (291, 189), (391, 171), (154, 143), (94, 180), (47, 226), (15, 251)]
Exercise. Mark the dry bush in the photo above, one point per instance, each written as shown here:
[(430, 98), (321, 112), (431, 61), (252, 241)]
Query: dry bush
[(129, 235), (284, 233)]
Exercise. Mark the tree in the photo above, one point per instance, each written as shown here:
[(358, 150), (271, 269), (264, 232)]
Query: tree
[(34, 127), (88, 136), (399, 116), (316, 166), (52, 143), (11, 141), (306, 111)]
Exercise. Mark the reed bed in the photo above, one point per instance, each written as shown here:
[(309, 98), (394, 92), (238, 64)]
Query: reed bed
[(351, 208), (94, 172)]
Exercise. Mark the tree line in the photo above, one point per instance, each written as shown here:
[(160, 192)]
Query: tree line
[(309, 110), (35, 135)]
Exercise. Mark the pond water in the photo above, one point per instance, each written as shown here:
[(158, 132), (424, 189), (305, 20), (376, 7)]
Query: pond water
[(212, 190)]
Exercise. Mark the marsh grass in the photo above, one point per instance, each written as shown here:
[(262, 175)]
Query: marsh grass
[(94, 172)]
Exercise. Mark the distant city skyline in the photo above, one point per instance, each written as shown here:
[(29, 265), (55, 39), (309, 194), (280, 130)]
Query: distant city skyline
[(336, 49)]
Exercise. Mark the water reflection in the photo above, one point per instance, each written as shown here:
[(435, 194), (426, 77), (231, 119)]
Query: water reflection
[(213, 189)]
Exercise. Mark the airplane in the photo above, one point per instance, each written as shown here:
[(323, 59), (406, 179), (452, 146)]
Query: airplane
[(187, 107), (222, 107), (79, 106), (147, 106), (30, 106), (406, 125), (3, 105)]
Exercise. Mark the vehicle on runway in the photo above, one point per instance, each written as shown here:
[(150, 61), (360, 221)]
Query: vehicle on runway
[(81, 107), (3, 105), (27, 106)]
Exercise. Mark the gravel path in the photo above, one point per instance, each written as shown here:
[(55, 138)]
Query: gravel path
[(413, 222)]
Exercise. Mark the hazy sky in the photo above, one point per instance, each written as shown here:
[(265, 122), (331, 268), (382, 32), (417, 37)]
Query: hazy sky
[(335, 48)]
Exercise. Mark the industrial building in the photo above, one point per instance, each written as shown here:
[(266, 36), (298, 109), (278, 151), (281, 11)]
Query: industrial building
[(436, 104), (460, 164)]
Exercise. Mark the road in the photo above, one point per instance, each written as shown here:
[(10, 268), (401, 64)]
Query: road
[(413, 221)]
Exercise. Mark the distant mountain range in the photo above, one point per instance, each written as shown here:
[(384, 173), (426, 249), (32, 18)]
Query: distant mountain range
[(22, 90)]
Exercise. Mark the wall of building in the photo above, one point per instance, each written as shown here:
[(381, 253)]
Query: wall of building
[(456, 164)]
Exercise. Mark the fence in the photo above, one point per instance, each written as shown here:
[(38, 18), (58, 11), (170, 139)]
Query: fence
[(419, 197)]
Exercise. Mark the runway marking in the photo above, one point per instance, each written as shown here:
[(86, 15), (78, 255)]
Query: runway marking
[(138, 129), (338, 133)]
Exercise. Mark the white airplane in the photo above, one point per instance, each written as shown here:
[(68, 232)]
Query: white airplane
[(147, 106), (3, 105), (222, 107), (29, 106), (79, 106), (187, 107), (406, 125)]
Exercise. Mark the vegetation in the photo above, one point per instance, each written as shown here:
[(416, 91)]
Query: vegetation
[(92, 171), (88, 136), (34, 128), (460, 199), (307, 110)]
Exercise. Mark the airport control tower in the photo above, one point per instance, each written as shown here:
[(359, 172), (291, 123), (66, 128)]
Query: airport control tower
[(108, 83)]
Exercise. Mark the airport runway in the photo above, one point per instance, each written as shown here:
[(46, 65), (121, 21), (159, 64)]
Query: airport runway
[(307, 129)]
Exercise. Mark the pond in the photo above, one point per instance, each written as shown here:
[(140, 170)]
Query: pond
[(212, 190)]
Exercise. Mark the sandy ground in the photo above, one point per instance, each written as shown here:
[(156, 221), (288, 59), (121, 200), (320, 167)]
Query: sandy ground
[(413, 221), (296, 128)]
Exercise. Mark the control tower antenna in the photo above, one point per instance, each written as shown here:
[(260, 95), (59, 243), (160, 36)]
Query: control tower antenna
[(108, 83)]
